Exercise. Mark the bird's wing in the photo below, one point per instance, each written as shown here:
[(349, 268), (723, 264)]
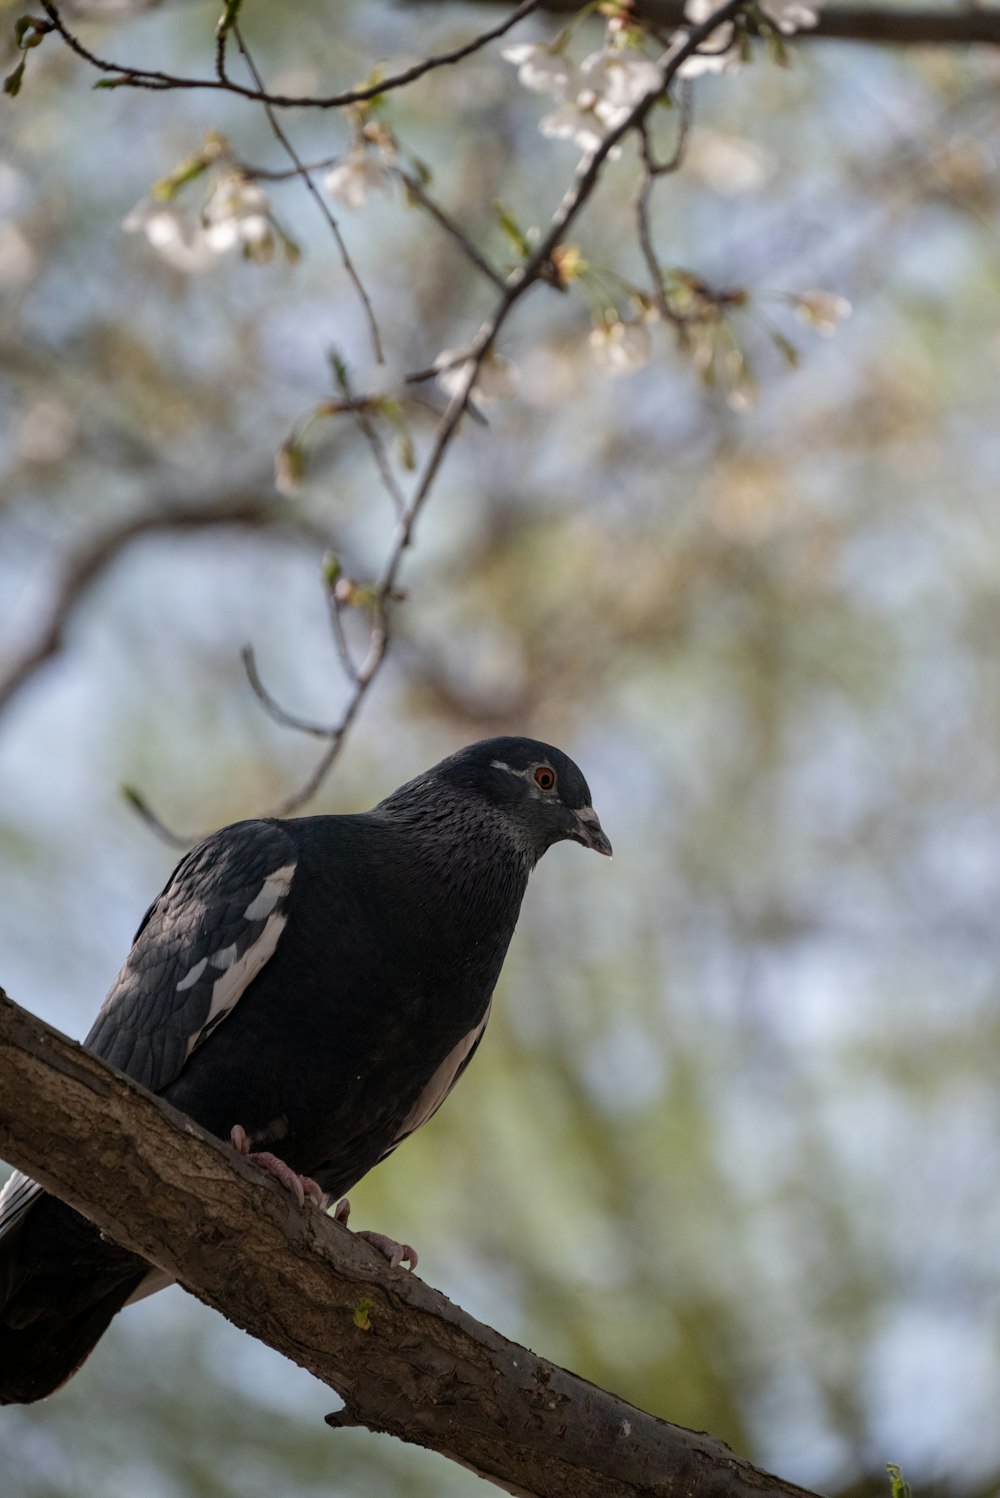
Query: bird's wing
[(16, 1197), (200, 945)]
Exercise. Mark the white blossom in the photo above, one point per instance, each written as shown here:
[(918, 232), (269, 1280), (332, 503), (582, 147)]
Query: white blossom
[(822, 310), (722, 58), (790, 15), (727, 163), (620, 348), (716, 53), (540, 69), (496, 378), (174, 233), (577, 121), (17, 258), (236, 217), (361, 172), (619, 80)]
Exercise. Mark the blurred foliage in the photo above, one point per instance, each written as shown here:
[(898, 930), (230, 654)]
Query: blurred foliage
[(730, 1147)]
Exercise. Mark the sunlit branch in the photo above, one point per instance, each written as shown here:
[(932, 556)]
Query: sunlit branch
[(420, 1368)]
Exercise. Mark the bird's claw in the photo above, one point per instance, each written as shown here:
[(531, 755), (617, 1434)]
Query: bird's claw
[(396, 1253), (303, 1188)]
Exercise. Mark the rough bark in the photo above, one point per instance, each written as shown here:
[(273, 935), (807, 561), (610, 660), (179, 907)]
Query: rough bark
[(403, 1357)]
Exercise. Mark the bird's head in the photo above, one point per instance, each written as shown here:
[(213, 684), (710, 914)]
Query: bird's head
[(536, 785)]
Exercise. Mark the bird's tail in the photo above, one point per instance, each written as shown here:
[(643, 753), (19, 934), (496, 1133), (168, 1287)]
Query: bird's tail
[(60, 1285)]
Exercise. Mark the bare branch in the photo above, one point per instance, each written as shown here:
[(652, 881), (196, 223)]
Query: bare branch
[(125, 76), (249, 505), (271, 704), (653, 170), (324, 207), (417, 190), (415, 1365), (534, 270), (879, 25)]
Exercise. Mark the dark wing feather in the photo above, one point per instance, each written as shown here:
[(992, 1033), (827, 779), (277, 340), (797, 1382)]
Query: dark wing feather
[(200, 945)]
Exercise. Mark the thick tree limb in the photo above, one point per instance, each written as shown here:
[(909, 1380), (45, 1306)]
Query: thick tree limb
[(250, 506), (846, 23), (405, 1359)]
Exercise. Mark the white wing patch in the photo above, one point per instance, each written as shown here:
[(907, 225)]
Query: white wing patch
[(237, 970), (442, 1081), (193, 975), (228, 989), (274, 888), (18, 1193)]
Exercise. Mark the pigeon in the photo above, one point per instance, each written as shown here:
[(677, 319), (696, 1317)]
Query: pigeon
[(310, 990)]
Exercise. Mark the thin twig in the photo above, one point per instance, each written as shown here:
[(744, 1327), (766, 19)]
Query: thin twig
[(128, 77), (361, 411), (166, 834), (340, 635), (273, 706), (416, 189), (653, 170), (437, 213), (320, 200)]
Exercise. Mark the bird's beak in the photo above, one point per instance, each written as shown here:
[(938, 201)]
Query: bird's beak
[(592, 834)]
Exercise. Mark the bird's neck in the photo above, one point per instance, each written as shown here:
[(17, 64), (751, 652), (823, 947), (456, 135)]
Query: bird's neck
[(467, 853)]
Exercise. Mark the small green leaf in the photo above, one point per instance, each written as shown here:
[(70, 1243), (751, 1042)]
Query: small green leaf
[(29, 32), (392, 410), (512, 229), (423, 172), (112, 82), (898, 1487), (361, 1318), (229, 17), (331, 569), (191, 167), (338, 365), (12, 82), (289, 468), (778, 51), (786, 348)]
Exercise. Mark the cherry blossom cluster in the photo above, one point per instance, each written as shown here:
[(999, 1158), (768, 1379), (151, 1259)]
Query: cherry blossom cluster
[(599, 93), (235, 215)]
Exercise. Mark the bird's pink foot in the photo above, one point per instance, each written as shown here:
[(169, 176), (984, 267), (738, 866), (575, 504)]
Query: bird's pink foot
[(303, 1188), (396, 1253)]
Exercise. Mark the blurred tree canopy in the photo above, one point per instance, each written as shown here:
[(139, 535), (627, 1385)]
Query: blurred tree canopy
[(731, 1144)]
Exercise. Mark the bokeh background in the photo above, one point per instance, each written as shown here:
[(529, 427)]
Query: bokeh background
[(730, 1147)]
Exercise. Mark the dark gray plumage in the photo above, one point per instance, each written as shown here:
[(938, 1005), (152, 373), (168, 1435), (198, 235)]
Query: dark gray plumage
[(319, 983)]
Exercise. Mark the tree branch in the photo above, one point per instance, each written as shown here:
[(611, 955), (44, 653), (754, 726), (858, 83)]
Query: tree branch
[(404, 1358), (846, 23), (250, 506)]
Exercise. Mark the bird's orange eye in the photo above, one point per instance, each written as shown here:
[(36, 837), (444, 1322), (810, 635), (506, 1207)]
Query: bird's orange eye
[(545, 776)]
